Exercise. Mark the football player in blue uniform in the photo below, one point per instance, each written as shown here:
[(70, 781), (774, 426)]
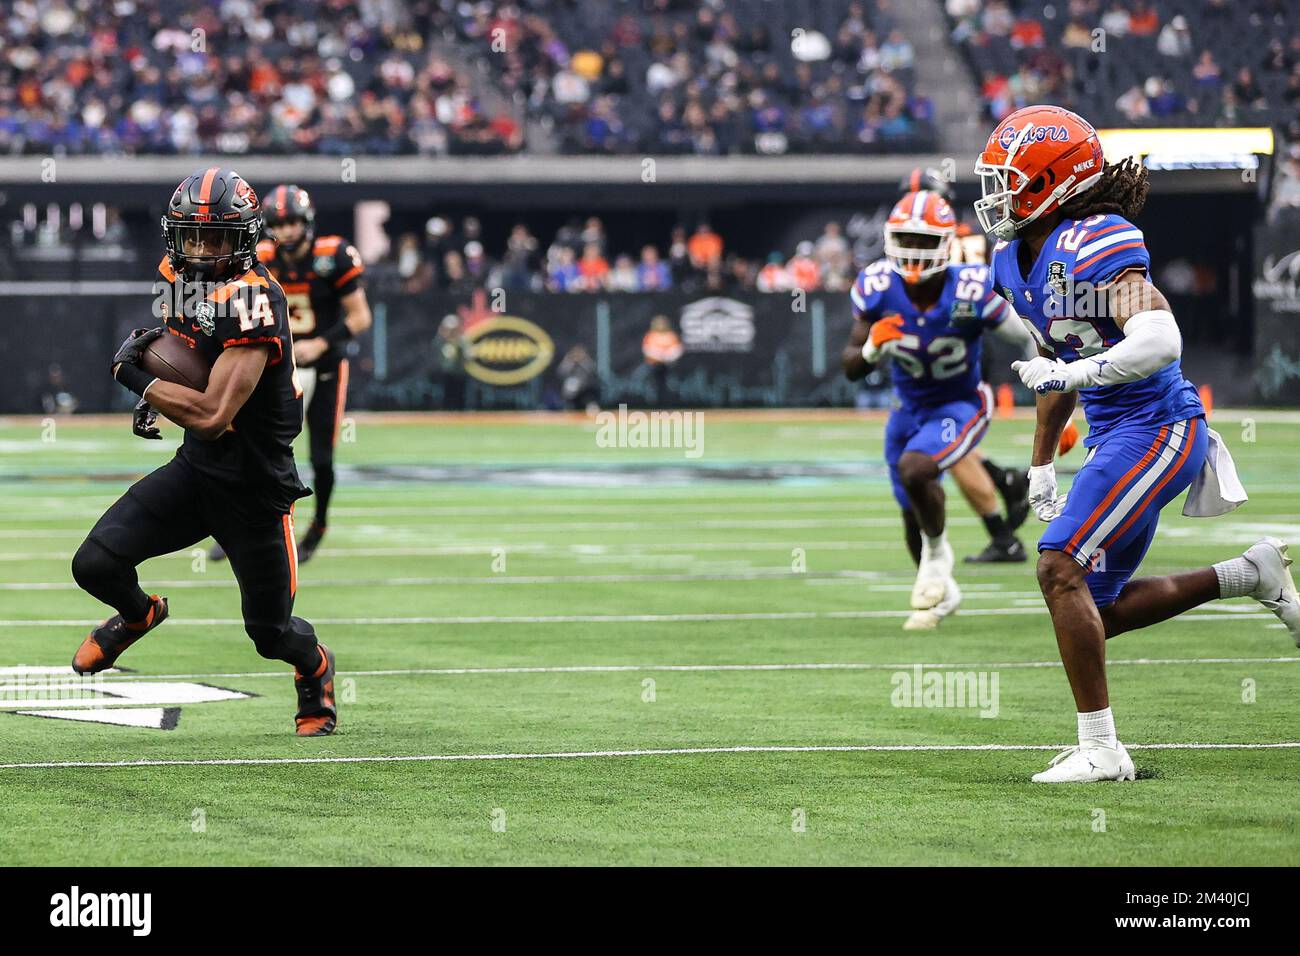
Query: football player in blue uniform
[(969, 246), (1071, 262), (926, 318)]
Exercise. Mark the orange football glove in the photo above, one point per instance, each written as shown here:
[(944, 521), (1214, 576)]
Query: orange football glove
[(886, 330), (1069, 438)]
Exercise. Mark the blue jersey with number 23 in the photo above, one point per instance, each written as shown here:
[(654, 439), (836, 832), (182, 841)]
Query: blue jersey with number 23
[(1059, 299)]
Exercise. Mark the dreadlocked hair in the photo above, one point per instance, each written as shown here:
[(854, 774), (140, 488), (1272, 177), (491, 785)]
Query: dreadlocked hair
[(1122, 190)]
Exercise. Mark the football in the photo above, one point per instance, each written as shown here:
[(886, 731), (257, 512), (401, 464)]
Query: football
[(172, 359)]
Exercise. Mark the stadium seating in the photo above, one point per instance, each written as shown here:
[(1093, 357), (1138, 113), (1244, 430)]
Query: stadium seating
[(1135, 63), (663, 76)]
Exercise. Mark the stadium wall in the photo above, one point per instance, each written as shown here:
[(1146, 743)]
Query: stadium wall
[(1276, 291), (742, 350)]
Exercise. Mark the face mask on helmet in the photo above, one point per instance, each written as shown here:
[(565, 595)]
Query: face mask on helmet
[(211, 251), (915, 256)]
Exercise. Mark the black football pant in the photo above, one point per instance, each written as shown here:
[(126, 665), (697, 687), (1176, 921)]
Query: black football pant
[(174, 508), (324, 415)]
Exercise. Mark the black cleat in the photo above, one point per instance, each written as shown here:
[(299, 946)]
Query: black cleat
[(1014, 489), (310, 542), (1000, 552), (317, 715), (216, 552), (101, 649)]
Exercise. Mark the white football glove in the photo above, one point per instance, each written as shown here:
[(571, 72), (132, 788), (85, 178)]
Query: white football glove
[(1047, 504), (1047, 375)]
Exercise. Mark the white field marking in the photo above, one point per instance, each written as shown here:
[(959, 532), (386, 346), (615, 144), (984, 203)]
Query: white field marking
[(683, 668), (618, 618), (525, 547), (422, 528), (593, 754), (505, 511), (853, 578), (485, 546), (755, 574)]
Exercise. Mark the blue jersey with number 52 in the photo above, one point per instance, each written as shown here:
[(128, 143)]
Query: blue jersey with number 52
[(938, 358), (1060, 299)]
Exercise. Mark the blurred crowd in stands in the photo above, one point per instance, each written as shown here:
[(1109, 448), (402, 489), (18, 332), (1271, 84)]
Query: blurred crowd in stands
[(579, 258), (385, 77), (1138, 62)]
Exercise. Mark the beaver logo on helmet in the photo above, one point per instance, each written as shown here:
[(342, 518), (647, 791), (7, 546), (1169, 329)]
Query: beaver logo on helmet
[(212, 225), (1038, 158)]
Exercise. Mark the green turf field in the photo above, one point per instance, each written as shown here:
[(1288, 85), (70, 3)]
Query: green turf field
[(548, 596)]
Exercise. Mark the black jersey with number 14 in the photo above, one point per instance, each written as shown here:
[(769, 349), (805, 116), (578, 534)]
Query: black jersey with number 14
[(254, 458)]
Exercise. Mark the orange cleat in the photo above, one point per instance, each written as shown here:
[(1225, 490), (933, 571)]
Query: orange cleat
[(101, 649), (317, 715)]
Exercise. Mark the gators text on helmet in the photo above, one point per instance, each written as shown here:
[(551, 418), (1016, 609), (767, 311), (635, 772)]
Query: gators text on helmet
[(211, 225), (1037, 159)]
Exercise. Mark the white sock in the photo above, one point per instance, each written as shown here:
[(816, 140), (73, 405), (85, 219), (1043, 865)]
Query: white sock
[(1098, 725), (938, 542), (1237, 577)]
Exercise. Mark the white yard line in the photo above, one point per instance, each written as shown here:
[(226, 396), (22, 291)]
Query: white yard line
[(753, 574), (667, 505), (596, 754), (17, 679), (623, 618), (861, 579), (485, 547)]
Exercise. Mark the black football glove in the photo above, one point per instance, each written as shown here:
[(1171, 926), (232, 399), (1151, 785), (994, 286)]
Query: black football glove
[(125, 366), (135, 344), (143, 422)]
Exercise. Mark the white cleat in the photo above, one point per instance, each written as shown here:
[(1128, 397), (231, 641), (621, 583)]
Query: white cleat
[(1088, 763), (932, 576), (1276, 590), (928, 619)]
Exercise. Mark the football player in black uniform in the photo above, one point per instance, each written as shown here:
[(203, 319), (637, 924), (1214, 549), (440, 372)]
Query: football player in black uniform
[(234, 476), (321, 277)]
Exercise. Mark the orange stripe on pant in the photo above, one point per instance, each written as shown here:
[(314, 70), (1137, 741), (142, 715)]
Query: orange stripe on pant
[(952, 445), (291, 550), (341, 401), (1086, 528), (1188, 439)]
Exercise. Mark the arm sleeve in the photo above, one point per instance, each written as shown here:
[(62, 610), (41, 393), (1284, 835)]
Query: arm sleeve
[(1151, 341)]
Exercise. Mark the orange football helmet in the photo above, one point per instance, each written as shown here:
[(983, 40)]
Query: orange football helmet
[(927, 220), (1038, 158)]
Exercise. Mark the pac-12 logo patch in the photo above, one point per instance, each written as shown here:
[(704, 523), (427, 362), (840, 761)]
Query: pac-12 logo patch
[(205, 314), (1057, 280), (962, 312), (323, 265)]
